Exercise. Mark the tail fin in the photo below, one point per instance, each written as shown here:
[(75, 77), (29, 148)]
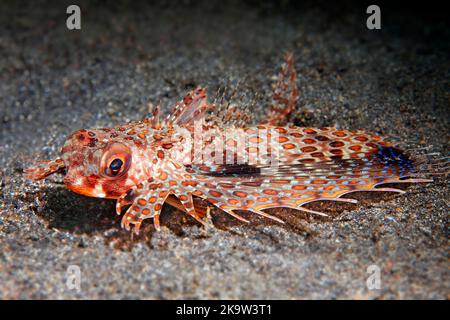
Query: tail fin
[(428, 164)]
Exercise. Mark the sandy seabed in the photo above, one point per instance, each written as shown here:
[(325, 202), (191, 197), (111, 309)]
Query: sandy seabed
[(392, 81)]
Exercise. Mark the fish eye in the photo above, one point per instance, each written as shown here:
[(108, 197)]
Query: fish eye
[(116, 161), (115, 166)]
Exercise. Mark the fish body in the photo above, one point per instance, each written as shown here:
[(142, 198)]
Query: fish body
[(187, 156)]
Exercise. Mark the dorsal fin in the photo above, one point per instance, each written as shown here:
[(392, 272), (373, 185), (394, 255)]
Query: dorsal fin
[(155, 117), (191, 108), (285, 93)]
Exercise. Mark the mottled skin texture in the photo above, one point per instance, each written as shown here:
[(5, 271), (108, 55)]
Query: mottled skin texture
[(147, 163)]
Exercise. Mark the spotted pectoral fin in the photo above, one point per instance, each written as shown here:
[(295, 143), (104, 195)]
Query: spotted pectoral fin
[(191, 108), (230, 197), (294, 185), (44, 168), (257, 195)]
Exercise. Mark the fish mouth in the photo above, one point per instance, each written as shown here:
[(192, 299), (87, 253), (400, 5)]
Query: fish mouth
[(93, 191), (82, 185), (90, 185), (83, 190)]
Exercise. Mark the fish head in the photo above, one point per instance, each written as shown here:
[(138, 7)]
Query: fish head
[(101, 163)]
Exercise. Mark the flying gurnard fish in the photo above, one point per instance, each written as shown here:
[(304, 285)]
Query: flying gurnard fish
[(191, 155)]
